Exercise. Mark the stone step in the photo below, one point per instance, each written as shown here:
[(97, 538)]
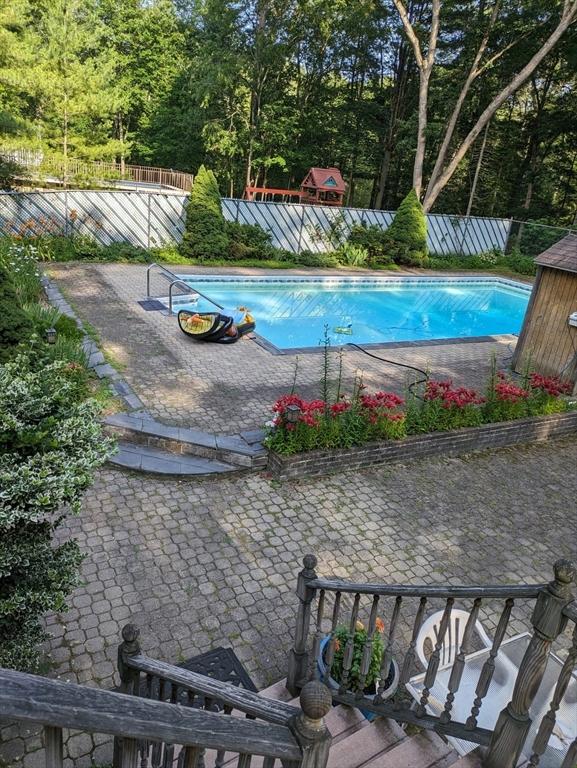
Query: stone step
[(142, 459), (425, 750), (246, 451), (366, 744)]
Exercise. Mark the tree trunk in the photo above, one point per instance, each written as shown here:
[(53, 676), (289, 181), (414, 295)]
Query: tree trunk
[(425, 64), (567, 18)]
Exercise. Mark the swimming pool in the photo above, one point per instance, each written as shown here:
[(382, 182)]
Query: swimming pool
[(292, 312)]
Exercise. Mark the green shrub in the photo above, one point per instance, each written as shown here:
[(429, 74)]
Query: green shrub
[(406, 238), (15, 325), (68, 327), (519, 262), (205, 235), (352, 255), (124, 252), (248, 241), (311, 259), (374, 240), (50, 446)]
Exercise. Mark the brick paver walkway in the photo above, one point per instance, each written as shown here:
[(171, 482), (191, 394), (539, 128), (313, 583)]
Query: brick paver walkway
[(201, 564), (227, 389)]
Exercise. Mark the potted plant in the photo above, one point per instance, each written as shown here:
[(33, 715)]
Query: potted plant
[(372, 680)]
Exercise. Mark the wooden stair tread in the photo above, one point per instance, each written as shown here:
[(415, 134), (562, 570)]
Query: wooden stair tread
[(366, 744), (424, 750)]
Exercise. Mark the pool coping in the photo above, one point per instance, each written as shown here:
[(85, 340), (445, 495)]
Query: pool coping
[(363, 280)]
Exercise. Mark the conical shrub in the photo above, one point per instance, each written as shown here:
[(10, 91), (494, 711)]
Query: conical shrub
[(205, 236), (407, 236)]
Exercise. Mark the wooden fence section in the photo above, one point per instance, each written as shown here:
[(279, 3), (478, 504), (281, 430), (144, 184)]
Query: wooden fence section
[(152, 219)]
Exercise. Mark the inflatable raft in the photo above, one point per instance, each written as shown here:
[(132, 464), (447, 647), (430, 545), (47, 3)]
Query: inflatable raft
[(214, 326)]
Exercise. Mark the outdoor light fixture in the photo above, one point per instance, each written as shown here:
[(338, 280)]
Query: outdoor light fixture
[(292, 413), (51, 335)]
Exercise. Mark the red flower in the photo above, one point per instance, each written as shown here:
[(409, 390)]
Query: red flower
[(551, 385), (449, 397), (509, 392)]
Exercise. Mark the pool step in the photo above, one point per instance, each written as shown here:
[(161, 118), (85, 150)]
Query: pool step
[(244, 450), (153, 461)]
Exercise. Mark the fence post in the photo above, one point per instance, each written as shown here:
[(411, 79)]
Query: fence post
[(129, 678), (548, 622), (298, 657), (308, 726), (301, 228)]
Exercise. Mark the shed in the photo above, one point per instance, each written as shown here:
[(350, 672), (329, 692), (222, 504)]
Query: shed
[(323, 185), (548, 338)]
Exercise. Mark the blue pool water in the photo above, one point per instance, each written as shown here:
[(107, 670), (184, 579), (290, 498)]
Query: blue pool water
[(293, 312)]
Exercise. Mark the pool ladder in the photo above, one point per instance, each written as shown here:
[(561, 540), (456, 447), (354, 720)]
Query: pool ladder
[(174, 281)]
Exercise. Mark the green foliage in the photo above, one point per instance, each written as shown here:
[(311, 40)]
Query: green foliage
[(19, 261), (359, 641), (406, 238), (15, 326), (248, 241), (50, 445), (68, 327), (374, 240), (205, 235), (312, 259), (9, 170), (352, 255), (493, 260), (536, 238)]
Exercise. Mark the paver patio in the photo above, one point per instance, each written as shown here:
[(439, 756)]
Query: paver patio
[(201, 564), (227, 389)]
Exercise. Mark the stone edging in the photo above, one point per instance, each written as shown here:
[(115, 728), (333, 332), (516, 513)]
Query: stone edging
[(453, 443)]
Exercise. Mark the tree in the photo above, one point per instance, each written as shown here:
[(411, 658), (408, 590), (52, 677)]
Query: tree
[(73, 80), (205, 234), (407, 235), (50, 444), (15, 327), (445, 167)]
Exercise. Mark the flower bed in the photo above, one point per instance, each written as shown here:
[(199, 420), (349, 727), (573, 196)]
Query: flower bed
[(316, 437)]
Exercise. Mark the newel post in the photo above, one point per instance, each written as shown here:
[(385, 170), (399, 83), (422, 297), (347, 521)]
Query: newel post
[(129, 678), (308, 725), (548, 622), (298, 657)]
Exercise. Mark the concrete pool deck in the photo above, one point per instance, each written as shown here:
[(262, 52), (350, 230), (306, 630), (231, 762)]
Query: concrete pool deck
[(228, 389)]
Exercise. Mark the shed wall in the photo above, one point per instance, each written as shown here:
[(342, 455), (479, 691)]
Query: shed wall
[(546, 338)]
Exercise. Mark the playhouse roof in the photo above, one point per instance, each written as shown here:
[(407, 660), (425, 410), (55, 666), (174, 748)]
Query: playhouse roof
[(561, 255), (325, 178)]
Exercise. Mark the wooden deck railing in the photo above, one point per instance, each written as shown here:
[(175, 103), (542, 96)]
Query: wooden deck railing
[(148, 732), (98, 170), (328, 604)]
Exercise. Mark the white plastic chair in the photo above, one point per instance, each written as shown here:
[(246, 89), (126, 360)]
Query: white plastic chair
[(453, 636)]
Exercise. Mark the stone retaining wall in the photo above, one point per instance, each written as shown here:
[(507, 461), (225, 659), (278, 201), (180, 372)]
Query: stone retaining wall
[(453, 443)]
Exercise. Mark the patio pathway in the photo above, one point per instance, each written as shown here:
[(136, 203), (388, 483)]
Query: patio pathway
[(201, 564), (227, 389)]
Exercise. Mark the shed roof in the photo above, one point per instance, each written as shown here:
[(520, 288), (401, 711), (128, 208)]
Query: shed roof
[(325, 178), (561, 255)]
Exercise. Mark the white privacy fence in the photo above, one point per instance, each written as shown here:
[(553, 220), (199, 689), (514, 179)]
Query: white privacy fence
[(155, 219)]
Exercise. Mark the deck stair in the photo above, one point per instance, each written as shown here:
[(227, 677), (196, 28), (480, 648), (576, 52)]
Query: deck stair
[(382, 743)]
